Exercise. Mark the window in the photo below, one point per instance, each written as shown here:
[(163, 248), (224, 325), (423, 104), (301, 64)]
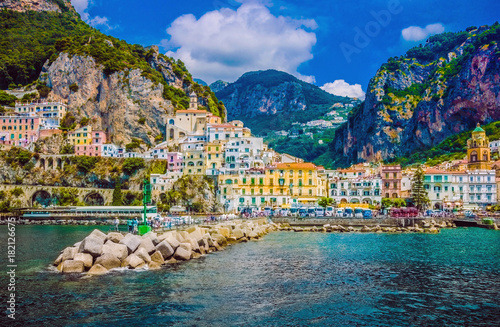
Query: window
[(310, 192), (310, 182), (395, 184), (300, 182), (446, 188)]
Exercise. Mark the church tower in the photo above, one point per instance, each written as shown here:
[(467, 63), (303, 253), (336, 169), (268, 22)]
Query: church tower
[(478, 150), (193, 101)]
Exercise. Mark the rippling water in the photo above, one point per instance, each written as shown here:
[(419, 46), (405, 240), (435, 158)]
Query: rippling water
[(286, 279)]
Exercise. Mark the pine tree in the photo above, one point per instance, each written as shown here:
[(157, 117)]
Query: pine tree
[(418, 192), (117, 193)]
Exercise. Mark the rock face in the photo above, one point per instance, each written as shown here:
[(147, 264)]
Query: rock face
[(35, 5), (273, 95), (417, 101), (115, 102)]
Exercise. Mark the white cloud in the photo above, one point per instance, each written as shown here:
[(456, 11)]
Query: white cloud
[(342, 88), (81, 7), (224, 44), (417, 33)]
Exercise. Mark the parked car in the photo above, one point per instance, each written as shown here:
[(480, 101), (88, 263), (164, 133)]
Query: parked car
[(367, 214), (329, 212)]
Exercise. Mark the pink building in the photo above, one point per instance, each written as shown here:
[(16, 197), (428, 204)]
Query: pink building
[(175, 162), (94, 149), (19, 130)]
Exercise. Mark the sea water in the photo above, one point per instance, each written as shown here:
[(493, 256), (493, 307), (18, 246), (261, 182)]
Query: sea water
[(285, 279)]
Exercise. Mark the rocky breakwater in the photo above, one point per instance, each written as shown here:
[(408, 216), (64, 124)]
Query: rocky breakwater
[(430, 227), (99, 252)]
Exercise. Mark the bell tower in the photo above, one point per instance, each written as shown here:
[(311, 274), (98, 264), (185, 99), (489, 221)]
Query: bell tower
[(193, 101), (478, 150)]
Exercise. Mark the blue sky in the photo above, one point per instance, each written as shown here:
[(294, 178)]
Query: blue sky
[(338, 45)]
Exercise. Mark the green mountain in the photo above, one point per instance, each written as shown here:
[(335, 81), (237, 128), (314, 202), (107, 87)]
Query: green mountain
[(126, 89), (272, 100)]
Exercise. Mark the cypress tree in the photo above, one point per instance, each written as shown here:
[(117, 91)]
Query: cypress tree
[(117, 193), (418, 192)]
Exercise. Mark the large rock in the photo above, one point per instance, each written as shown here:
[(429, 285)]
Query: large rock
[(69, 253), (97, 269), (97, 233), (186, 246), (147, 244), (143, 254), (165, 249), (86, 258), (158, 258), (195, 233), (220, 239), (58, 260), (173, 241), (108, 261), (182, 254), (132, 261), (73, 266), (237, 233), (132, 242), (225, 231), (115, 237), (118, 250), (92, 245), (152, 236), (154, 265)]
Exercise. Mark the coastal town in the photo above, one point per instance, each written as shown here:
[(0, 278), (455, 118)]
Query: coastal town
[(251, 176)]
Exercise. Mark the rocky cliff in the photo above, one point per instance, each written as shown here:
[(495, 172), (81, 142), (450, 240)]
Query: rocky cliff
[(416, 101), (272, 100), (115, 103)]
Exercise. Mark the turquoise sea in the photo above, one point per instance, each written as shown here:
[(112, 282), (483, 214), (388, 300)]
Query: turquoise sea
[(286, 279)]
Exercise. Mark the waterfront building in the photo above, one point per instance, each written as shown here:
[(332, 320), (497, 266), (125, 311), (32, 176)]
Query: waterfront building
[(19, 130), (481, 178), (355, 189), (391, 181)]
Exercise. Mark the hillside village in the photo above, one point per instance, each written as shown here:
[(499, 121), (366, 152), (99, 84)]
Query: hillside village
[(248, 174)]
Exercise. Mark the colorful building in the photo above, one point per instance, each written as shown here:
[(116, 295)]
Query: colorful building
[(19, 130)]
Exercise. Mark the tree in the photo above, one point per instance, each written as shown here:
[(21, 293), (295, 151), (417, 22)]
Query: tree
[(418, 193), (386, 203), (117, 194), (325, 202)]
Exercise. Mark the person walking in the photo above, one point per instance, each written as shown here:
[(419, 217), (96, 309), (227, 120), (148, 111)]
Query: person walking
[(117, 223), (136, 226), (130, 225)]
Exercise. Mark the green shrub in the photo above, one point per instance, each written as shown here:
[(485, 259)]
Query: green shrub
[(17, 192), (84, 163), (73, 87), (142, 120), (131, 165)]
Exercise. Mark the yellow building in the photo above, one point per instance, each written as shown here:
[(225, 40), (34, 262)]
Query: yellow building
[(195, 162), (81, 136), (478, 150), (281, 186), (214, 156)]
